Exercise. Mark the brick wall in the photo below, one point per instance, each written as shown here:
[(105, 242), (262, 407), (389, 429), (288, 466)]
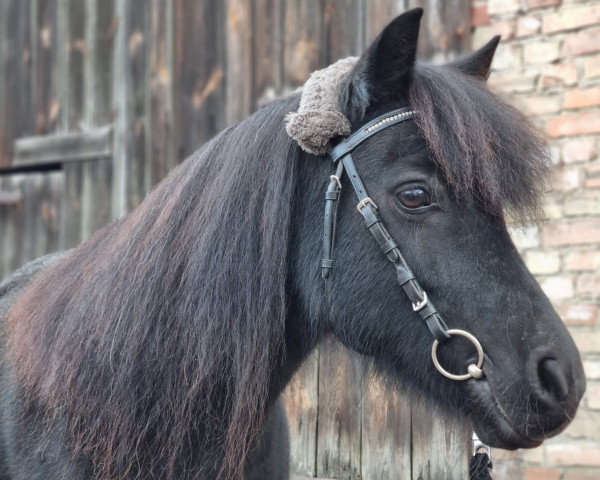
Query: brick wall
[(548, 64)]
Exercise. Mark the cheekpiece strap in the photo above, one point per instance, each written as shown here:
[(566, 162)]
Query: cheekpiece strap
[(374, 223)]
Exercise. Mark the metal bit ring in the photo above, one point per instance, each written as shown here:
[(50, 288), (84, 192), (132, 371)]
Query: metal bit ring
[(474, 370)]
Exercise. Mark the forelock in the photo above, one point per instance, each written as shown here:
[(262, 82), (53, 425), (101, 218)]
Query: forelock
[(489, 152)]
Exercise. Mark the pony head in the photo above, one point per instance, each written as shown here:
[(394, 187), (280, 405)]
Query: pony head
[(444, 183)]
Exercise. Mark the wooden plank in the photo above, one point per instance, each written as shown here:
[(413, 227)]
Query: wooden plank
[(302, 404), (120, 102), (339, 420), (60, 66), (31, 217), (10, 197), (4, 42), (17, 115), (102, 26), (31, 226), (77, 52), (200, 95), (304, 41), (11, 221), (70, 65), (344, 29), (269, 20), (95, 198), (71, 227), (139, 169), (378, 13), (386, 433), (440, 444), (161, 89), (445, 29), (64, 147), (240, 61), (49, 211), (97, 171), (47, 103)]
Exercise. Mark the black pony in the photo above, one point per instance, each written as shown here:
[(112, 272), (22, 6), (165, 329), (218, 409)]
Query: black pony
[(159, 347)]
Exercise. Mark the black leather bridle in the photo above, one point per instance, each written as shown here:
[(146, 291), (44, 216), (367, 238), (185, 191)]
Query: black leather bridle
[(341, 156)]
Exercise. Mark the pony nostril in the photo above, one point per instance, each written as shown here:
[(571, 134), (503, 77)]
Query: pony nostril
[(553, 379)]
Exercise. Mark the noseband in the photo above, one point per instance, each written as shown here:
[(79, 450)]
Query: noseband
[(341, 156)]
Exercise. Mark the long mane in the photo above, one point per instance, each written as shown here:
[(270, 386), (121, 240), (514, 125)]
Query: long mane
[(489, 152), (171, 314)]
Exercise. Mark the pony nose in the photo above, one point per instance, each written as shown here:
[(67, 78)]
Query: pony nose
[(553, 379)]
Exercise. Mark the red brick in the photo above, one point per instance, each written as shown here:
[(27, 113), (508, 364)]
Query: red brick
[(588, 286), (480, 16), (558, 288), (583, 475), (592, 67), (592, 174), (503, 6), (574, 453), (591, 368), (482, 35), (593, 396), (513, 82), (542, 3), (557, 75), (585, 425), (532, 473), (583, 202), (572, 18), (582, 261), (580, 314), (582, 43), (574, 124), (508, 57), (587, 341), (577, 98), (541, 52), (579, 150), (577, 232), (592, 183), (565, 178), (541, 105), (528, 26)]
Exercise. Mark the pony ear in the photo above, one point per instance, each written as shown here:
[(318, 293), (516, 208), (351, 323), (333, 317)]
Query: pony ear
[(384, 68), (478, 63)]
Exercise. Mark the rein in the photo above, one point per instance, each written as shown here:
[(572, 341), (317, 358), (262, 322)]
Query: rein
[(341, 156)]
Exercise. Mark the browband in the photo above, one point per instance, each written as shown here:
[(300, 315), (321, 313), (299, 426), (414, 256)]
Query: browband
[(342, 156)]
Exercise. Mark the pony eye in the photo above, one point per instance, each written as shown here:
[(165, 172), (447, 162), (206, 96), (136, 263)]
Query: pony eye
[(414, 198)]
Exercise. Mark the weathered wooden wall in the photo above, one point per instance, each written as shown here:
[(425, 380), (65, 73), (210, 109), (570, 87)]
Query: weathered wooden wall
[(99, 99)]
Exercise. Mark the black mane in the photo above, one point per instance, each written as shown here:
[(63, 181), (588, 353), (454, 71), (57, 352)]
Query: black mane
[(489, 152), (172, 313)]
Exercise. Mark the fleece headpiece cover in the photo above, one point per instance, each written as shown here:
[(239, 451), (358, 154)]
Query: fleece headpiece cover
[(319, 118)]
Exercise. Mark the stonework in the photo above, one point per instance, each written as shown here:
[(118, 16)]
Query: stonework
[(548, 65)]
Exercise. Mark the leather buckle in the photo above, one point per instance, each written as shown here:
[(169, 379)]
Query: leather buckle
[(335, 178), (363, 203), (420, 305)]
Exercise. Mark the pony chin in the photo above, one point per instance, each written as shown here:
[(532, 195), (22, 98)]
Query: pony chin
[(491, 423), (495, 427)]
